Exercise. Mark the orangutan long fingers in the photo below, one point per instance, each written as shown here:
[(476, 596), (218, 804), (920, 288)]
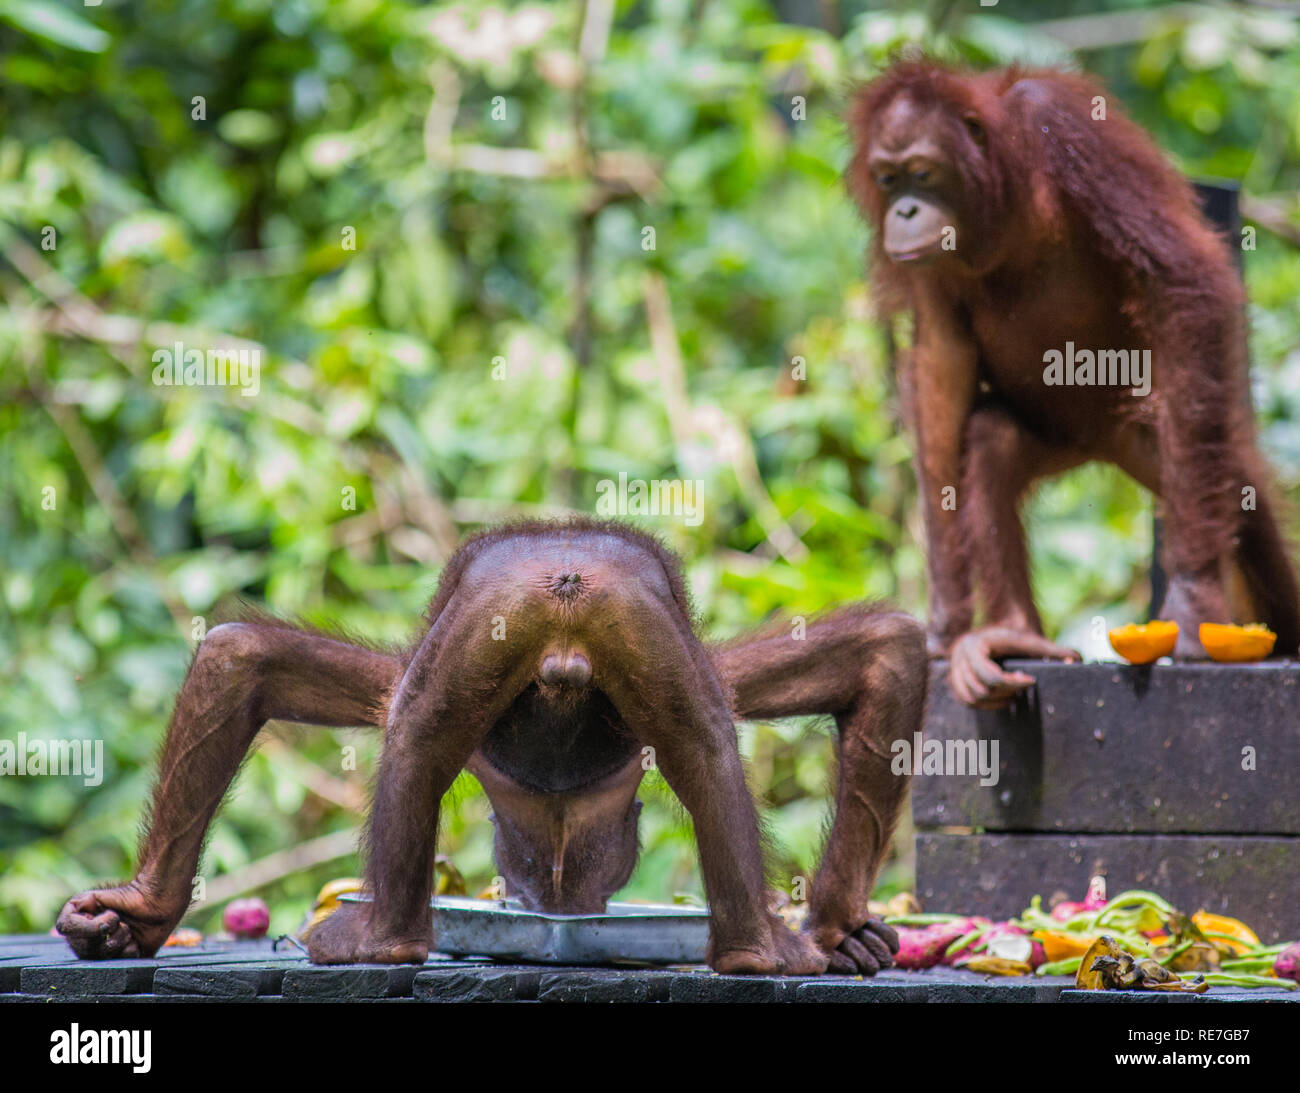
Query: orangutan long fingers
[(861, 955), (962, 682), (981, 683), (995, 678), (79, 919), (97, 937), (884, 931), (841, 964), (876, 947), (1018, 643), (976, 679)]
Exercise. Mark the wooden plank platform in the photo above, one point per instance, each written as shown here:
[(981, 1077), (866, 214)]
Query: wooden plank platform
[(1114, 748), (1179, 778), (44, 970)]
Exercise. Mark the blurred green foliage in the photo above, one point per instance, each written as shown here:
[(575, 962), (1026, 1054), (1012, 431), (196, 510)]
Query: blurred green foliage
[(201, 164)]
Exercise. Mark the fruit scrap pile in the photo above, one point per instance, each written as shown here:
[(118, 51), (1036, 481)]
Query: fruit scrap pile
[(1135, 941)]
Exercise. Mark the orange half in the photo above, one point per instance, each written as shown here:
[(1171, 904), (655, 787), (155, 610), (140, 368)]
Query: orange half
[(1142, 643), (1237, 643), (1243, 938), (1058, 945)]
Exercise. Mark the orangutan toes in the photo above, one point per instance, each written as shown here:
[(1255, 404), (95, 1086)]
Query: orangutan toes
[(867, 950)]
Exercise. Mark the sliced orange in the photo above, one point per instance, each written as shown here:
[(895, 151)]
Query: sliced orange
[(1140, 643), (1239, 937), (1058, 945), (1237, 643)]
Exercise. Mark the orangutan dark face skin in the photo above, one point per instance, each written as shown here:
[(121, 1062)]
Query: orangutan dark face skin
[(1019, 216), (557, 663), (910, 166)]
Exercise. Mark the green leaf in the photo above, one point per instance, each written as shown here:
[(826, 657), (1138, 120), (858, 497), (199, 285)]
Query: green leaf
[(56, 24)]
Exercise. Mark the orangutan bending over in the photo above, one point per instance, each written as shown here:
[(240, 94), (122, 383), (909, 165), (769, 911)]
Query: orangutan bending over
[(1042, 243), (552, 659)]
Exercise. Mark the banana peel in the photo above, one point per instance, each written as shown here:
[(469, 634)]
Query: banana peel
[(447, 878), (1107, 967), (996, 965), (327, 902), (904, 903), (447, 882)]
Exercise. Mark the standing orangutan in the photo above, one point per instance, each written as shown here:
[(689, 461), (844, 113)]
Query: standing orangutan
[(1041, 242), (553, 658)]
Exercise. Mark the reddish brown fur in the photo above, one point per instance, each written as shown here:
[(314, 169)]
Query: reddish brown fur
[(550, 657), (1066, 229)]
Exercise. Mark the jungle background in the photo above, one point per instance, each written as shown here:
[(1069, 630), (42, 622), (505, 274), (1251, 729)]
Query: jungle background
[(498, 340)]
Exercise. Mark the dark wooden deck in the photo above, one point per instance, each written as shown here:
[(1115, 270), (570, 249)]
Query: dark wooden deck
[(36, 968)]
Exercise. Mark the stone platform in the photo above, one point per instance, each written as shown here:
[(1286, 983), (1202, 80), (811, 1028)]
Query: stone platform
[(1177, 778), (37, 968)]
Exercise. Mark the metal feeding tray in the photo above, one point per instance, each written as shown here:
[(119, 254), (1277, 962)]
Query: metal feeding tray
[(625, 933)]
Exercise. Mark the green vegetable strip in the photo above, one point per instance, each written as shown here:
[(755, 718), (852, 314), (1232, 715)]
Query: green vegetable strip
[(1172, 955), (965, 940), (1126, 903), (1224, 979), (1246, 963), (1068, 966), (1139, 896)]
